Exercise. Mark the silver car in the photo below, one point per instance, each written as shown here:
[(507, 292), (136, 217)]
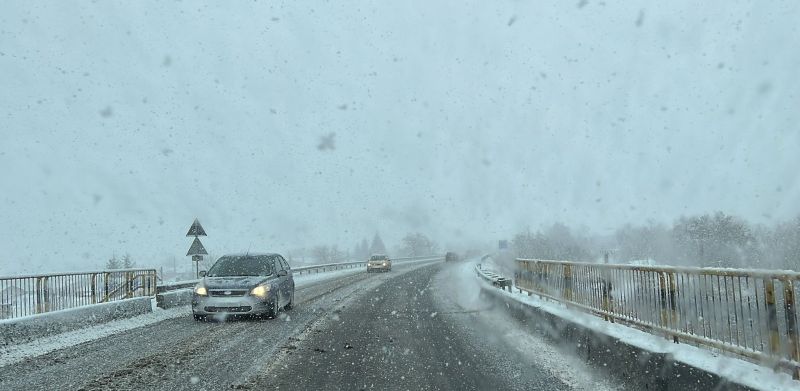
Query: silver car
[(244, 284), (379, 262)]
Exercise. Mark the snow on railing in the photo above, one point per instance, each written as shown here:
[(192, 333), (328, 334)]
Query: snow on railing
[(750, 313), (35, 294), (493, 278), (304, 270)]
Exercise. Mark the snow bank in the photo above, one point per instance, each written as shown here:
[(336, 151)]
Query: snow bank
[(636, 356), (15, 353), (19, 330)]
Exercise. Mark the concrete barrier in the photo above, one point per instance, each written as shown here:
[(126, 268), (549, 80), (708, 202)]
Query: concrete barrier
[(174, 298), (21, 330), (632, 365)]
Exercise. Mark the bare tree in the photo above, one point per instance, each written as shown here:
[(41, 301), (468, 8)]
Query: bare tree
[(417, 244), (377, 246), (113, 263), (127, 262)]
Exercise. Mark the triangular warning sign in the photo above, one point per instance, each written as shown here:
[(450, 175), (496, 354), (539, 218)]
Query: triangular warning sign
[(196, 229), (197, 248)]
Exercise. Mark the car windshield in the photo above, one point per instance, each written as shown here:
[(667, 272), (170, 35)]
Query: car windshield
[(241, 266), (378, 258)]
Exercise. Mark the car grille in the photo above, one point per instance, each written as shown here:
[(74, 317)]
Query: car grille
[(244, 308), (227, 293)]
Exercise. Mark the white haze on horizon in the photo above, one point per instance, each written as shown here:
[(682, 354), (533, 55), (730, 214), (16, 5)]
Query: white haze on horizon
[(468, 121)]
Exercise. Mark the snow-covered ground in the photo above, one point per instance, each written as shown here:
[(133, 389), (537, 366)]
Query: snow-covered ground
[(16, 353), (500, 332), (739, 371)]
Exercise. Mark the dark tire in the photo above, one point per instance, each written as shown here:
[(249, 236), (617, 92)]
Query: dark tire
[(289, 306), (272, 313)]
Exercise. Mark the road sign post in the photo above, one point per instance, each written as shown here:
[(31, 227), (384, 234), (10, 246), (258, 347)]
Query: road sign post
[(196, 250)]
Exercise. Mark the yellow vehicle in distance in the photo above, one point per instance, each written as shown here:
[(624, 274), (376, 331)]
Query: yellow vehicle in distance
[(379, 262)]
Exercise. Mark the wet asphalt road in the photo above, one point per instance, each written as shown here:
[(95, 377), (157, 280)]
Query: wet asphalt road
[(177, 353), (406, 334), (398, 330)]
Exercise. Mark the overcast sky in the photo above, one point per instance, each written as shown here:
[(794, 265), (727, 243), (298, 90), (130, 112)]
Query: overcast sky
[(283, 125)]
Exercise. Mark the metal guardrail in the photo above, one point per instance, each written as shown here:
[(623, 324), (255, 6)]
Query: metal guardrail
[(328, 267), (165, 287), (35, 294), (750, 313), (493, 278)]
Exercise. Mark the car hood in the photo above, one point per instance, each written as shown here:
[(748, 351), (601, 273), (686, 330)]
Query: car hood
[(234, 282)]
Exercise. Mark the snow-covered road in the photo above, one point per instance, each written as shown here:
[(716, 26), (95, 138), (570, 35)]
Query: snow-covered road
[(422, 326)]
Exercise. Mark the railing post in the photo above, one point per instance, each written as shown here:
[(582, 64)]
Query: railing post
[(772, 318), (541, 270), (662, 299), (93, 288), (568, 282), (534, 277), (608, 304), (791, 324), (105, 287), (46, 292), (674, 314), (39, 296), (128, 284), (541, 284)]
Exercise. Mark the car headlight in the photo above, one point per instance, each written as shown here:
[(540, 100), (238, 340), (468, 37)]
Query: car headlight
[(200, 290), (260, 291)]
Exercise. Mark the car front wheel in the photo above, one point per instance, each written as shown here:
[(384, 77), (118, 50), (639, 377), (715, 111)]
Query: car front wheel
[(289, 306), (273, 310)]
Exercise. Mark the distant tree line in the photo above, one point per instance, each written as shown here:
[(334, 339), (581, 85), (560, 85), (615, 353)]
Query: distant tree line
[(126, 262), (716, 239), (416, 244), (326, 253), (556, 243)]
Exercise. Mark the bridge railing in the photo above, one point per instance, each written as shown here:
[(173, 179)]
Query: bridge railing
[(493, 278), (301, 270), (750, 313), (35, 294)]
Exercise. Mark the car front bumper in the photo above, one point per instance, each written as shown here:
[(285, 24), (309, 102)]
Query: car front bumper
[(379, 267), (241, 305)]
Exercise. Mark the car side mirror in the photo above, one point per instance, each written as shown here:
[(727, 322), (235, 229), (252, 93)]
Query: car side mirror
[(202, 273), (282, 273)]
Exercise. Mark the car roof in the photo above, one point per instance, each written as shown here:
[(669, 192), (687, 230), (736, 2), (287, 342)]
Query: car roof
[(250, 254)]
